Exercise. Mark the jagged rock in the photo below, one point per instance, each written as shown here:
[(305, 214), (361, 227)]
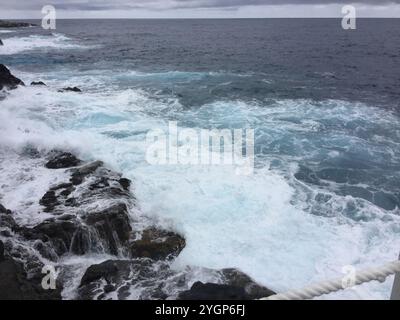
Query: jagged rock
[(4, 210), (236, 286), (125, 183), (122, 275), (82, 241), (62, 161), (80, 227), (252, 289), (13, 24), (213, 291), (157, 244), (112, 225), (46, 250), (106, 270), (70, 89), (65, 236), (38, 83), (1, 43), (59, 233), (1, 251), (7, 80), (79, 174), (111, 271), (7, 221), (19, 281), (49, 201)]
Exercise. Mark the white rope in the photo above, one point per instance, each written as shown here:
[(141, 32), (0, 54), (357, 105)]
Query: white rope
[(319, 289)]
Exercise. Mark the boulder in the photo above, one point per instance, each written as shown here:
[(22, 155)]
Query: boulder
[(79, 174), (7, 80), (38, 83), (252, 289), (107, 270), (20, 281), (120, 276), (1, 43), (235, 285), (112, 226), (125, 183), (157, 244), (70, 89), (49, 201), (213, 291), (63, 160), (59, 233), (6, 220)]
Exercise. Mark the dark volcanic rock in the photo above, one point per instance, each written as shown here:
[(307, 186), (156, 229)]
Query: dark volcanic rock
[(79, 174), (15, 285), (4, 210), (114, 272), (14, 24), (49, 200), (22, 281), (38, 83), (112, 225), (237, 278), (59, 236), (213, 291), (7, 80), (1, 251), (125, 183), (236, 286), (107, 270), (70, 89), (1, 43), (59, 233), (90, 214), (157, 245), (122, 275), (63, 160), (7, 221)]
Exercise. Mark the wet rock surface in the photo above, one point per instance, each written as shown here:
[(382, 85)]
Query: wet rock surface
[(38, 83), (213, 291), (157, 245), (90, 210), (63, 160), (70, 89), (22, 281), (7, 80)]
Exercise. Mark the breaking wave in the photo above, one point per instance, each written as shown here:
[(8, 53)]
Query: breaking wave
[(311, 207)]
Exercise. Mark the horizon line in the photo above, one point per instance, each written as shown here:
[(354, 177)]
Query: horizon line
[(195, 18)]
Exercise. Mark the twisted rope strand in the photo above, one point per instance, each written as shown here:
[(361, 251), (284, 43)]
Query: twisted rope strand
[(326, 287)]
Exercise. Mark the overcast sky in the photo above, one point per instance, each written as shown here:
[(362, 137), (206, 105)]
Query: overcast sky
[(196, 8)]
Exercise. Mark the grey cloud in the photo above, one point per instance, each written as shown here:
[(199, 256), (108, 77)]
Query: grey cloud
[(98, 5), (239, 3)]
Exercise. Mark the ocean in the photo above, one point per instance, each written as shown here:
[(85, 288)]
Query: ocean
[(323, 103)]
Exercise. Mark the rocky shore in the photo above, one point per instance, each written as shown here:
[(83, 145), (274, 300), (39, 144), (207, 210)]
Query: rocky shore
[(93, 210), (15, 24)]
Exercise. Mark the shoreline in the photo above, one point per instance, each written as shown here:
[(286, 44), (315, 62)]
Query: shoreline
[(92, 211)]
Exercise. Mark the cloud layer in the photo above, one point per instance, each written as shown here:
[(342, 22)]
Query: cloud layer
[(157, 8), (168, 4)]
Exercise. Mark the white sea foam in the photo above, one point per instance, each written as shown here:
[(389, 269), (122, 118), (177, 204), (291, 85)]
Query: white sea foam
[(262, 223), (54, 41)]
